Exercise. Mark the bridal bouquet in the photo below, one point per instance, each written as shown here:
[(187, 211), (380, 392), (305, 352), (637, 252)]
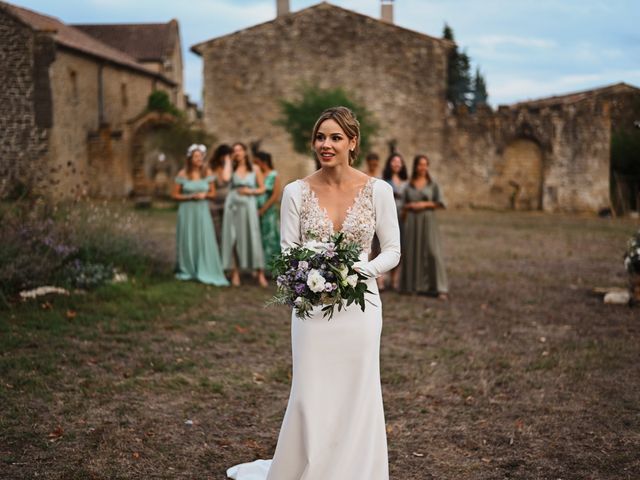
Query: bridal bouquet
[(319, 273)]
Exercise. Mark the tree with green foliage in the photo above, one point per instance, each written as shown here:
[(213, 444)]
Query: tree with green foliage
[(299, 116), (625, 152), (462, 89), (177, 136), (159, 101), (458, 73), (479, 96)]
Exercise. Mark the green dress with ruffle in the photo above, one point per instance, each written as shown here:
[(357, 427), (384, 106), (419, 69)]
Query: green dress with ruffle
[(197, 254)]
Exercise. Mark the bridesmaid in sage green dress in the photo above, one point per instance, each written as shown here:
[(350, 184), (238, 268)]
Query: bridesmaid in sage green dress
[(268, 206), (241, 242), (198, 257), (423, 269)]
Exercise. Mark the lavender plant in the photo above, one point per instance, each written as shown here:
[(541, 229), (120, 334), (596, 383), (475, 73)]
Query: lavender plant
[(74, 245)]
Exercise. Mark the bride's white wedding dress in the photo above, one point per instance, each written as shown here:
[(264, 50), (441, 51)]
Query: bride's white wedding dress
[(334, 427)]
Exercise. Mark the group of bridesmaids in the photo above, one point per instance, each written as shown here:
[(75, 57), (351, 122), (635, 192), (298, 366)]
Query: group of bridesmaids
[(421, 269), (230, 201), (233, 200)]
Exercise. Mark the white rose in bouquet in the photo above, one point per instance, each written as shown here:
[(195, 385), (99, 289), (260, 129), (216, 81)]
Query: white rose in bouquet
[(316, 281), (352, 280), (315, 246)]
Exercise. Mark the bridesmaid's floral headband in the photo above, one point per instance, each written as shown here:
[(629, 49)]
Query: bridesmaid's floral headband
[(195, 147)]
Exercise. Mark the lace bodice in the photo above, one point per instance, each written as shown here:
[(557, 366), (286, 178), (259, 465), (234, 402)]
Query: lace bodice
[(359, 224), (373, 210)]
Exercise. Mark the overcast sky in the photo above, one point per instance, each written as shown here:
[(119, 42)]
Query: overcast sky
[(525, 48)]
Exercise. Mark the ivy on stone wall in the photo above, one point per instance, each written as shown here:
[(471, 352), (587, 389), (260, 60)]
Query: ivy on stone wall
[(159, 101), (175, 138), (299, 116)]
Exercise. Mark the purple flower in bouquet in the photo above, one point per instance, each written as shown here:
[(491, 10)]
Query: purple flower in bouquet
[(320, 274), (329, 287)]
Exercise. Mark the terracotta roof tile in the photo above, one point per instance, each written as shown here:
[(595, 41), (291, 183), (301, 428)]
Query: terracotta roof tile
[(145, 41)]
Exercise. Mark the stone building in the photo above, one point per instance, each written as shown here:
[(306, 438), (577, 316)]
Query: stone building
[(71, 108), (399, 74), (552, 154), (155, 45)]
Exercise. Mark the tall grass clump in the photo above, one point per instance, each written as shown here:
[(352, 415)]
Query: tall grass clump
[(72, 245)]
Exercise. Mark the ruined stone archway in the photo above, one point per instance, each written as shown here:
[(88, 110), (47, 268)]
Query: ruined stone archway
[(519, 181), (151, 169)]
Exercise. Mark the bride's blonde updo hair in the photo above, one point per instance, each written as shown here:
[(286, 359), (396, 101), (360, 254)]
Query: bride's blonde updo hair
[(348, 123)]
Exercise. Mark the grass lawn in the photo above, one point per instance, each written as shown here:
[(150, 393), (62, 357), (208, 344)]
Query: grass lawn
[(524, 374)]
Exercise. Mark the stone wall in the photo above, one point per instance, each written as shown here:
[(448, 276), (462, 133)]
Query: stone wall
[(24, 111), (397, 74), (92, 150), (572, 143)]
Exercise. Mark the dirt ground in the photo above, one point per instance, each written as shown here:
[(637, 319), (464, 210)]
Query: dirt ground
[(524, 374)]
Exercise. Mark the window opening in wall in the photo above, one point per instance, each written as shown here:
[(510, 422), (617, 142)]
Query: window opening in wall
[(123, 95), (73, 79)]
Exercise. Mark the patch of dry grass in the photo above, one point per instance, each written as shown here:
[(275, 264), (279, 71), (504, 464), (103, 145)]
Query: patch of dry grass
[(522, 375)]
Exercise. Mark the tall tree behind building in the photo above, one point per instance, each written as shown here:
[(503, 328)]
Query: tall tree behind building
[(462, 89), (479, 95)]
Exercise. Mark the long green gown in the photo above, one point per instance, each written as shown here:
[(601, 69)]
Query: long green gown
[(198, 257), (423, 267), (269, 221), (241, 227)]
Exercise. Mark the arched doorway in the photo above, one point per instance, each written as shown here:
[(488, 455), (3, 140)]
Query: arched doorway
[(152, 169), (519, 181)]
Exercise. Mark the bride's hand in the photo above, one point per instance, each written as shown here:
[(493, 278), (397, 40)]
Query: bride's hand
[(360, 267)]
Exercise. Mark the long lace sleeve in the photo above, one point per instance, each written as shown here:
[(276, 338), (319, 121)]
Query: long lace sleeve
[(387, 230), (290, 216)]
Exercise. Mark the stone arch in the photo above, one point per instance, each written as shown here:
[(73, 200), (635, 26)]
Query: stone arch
[(151, 169), (519, 179)]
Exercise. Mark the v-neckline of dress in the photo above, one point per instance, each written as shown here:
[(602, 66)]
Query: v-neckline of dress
[(348, 212)]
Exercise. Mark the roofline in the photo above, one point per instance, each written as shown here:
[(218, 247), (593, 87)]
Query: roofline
[(172, 22), (559, 98), (4, 6), (197, 47), (141, 69), (118, 24)]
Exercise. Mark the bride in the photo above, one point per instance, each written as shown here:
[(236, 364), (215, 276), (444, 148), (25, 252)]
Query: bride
[(334, 428)]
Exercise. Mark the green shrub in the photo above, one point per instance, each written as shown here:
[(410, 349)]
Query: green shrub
[(299, 116)]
